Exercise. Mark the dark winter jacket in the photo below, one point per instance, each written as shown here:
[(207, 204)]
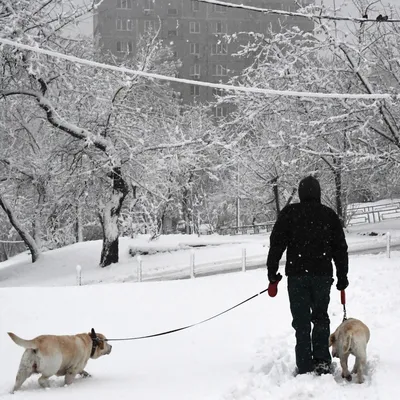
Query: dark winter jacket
[(312, 235)]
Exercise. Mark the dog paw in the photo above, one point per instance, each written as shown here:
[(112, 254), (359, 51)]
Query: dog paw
[(85, 374), (347, 377)]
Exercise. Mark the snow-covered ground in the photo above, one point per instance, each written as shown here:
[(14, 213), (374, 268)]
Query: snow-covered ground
[(215, 254), (245, 354)]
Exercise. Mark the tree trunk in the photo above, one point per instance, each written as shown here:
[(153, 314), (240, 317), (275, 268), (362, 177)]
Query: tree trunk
[(25, 236), (289, 200), (37, 219), (78, 224), (337, 172), (276, 195), (111, 212), (186, 209)]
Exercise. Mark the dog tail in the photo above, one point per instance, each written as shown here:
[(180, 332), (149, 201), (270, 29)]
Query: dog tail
[(27, 344)]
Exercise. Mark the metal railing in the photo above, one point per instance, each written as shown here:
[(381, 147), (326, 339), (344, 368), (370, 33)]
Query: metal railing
[(372, 214)]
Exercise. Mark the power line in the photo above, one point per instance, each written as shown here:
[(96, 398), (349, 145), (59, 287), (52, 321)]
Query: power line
[(269, 92), (293, 14)]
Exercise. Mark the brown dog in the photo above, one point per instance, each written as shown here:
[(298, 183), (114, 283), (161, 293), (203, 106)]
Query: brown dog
[(351, 337), (58, 355)]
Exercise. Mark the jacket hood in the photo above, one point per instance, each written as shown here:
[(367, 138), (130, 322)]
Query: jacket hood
[(309, 189)]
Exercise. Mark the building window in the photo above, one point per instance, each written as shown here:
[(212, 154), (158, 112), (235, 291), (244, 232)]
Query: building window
[(195, 5), (217, 92), (124, 47), (219, 70), (195, 70), (124, 24), (195, 48), (124, 4), (148, 5), (218, 8), (220, 27), (219, 49), (194, 90), (194, 27), (172, 11), (220, 111), (149, 26)]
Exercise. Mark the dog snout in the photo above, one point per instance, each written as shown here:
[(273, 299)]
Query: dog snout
[(109, 349)]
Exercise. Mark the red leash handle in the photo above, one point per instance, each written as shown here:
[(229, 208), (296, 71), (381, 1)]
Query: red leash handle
[(343, 297)]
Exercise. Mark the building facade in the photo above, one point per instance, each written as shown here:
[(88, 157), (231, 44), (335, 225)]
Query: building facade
[(195, 31)]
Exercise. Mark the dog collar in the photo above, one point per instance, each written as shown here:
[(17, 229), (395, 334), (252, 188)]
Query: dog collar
[(95, 342)]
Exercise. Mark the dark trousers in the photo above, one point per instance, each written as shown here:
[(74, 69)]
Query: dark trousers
[(309, 299)]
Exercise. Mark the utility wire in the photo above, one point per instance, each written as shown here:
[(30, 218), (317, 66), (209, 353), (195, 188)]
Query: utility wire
[(268, 92)]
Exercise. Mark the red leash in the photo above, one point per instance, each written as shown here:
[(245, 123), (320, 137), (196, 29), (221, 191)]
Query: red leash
[(343, 301)]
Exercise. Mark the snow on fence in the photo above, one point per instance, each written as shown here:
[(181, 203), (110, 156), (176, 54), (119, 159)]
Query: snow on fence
[(246, 229)]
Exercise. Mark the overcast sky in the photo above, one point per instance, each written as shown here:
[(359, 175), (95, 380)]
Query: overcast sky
[(85, 24), (347, 7)]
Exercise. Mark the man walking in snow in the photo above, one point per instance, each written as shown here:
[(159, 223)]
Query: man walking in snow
[(312, 235)]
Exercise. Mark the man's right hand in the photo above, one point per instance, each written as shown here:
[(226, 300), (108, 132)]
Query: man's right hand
[(274, 278)]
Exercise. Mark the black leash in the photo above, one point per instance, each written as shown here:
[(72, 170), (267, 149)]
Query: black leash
[(187, 326)]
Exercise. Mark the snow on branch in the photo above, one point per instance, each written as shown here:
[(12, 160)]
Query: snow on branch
[(170, 146), (294, 14), (53, 117), (269, 92)]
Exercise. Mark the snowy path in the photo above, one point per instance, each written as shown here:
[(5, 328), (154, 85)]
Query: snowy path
[(373, 297)]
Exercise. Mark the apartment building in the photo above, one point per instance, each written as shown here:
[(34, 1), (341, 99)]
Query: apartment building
[(195, 30)]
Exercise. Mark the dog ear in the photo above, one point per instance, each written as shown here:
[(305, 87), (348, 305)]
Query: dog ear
[(332, 339), (92, 333)]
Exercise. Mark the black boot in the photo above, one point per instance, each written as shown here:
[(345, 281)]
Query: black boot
[(323, 367)]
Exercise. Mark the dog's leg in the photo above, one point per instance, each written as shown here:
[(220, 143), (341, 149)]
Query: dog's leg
[(22, 375), (69, 377), (84, 374), (44, 381), (361, 361), (356, 366), (345, 370), (26, 368)]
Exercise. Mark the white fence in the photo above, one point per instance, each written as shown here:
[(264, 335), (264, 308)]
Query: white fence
[(193, 270)]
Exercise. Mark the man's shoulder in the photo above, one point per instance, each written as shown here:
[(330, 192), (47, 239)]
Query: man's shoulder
[(330, 212), (329, 209), (299, 206), (289, 208)]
